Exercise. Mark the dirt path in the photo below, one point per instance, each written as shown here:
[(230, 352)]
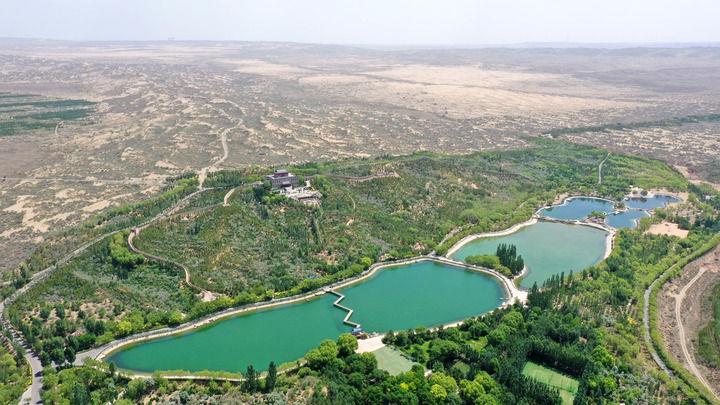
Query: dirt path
[(684, 308), (202, 174), (206, 295), (600, 167), (226, 199), (362, 179), (59, 124), (689, 360), (32, 394), (646, 328)]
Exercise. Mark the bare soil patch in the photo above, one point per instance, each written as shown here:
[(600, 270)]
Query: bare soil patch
[(696, 311), (667, 228)]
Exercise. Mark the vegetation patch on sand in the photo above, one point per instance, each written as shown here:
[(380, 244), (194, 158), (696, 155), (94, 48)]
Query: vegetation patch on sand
[(23, 113)]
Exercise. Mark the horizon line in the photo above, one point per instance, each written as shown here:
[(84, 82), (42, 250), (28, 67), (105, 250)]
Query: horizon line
[(520, 45)]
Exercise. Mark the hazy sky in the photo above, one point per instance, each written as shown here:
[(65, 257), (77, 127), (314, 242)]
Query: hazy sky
[(400, 22)]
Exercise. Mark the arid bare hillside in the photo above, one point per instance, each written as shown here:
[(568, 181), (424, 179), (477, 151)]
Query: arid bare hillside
[(161, 109)]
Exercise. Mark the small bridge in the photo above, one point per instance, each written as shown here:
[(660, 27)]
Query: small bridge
[(337, 304)]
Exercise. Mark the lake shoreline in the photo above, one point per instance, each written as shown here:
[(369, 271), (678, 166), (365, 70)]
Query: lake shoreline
[(102, 353), (512, 291)]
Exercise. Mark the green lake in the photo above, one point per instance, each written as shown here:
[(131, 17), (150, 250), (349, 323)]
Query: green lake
[(434, 294), (547, 247), (419, 294)]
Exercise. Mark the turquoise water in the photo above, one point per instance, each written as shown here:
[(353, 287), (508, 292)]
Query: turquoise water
[(281, 334), (625, 219), (577, 208), (657, 201), (419, 294), (426, 294), (547, 247)]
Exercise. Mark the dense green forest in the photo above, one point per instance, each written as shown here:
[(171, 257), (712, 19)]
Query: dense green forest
[(262, 246), (14, 373)]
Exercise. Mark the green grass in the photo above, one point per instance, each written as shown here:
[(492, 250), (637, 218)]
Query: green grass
[(567, 386), (392, 360), (478, 344)]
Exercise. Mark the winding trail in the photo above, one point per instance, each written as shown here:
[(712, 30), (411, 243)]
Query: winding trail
[(206, 295), (600, 167), (689, 360), (226, 199), (362, 179), (59, 124), (202, 173), (32, 394)]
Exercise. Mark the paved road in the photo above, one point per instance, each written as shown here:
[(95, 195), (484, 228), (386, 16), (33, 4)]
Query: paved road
[(32, 394), (689, 360)]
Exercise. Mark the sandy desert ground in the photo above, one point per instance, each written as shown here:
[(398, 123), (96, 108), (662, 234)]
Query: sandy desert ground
[(164, 108)]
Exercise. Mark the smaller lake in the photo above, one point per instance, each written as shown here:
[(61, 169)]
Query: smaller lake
[(427, 294), (657, 201), (625, 219), (547, 247), (577, 208)]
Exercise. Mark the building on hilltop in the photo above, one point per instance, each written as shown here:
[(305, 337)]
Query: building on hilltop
[(287, 184), (282, 179)]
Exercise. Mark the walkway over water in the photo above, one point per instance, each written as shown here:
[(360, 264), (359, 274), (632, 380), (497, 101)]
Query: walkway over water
[(426, 291)]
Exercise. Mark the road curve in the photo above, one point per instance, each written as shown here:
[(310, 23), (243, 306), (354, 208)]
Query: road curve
[(136, 232), (32, 394), (689, 360), (226, 199), (202, 173), (600, 167)]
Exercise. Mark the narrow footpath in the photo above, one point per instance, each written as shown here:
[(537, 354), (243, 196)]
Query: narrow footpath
[(600, 167), (689, 359), (205, 294)]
